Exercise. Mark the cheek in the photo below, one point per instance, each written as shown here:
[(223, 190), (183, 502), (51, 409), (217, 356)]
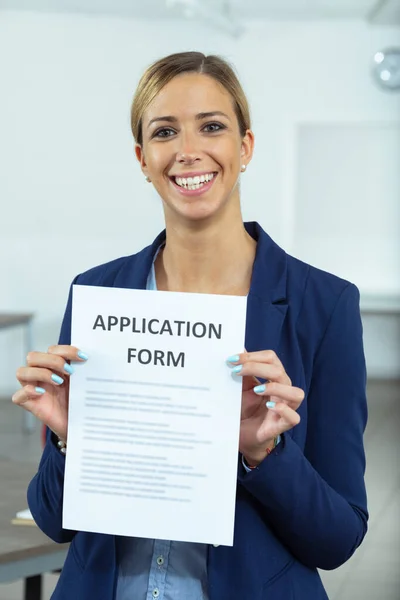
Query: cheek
[(157, 160), (228, 155)]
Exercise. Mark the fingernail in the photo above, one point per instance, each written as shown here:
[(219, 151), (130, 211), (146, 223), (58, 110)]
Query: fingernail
[(270, 404), (233, 359), (68, 368), (57, 379), (237, 369), (39, 390), (259, 389), (82, 355)]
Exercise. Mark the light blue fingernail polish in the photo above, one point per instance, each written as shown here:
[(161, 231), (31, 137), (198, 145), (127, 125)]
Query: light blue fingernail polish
[(233, 359), (57, 379), (270, 404), (237, 369), (82, 355), (259, 389), (68, 368), (39, 390)]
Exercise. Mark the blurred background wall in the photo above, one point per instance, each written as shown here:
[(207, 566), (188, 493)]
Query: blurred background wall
[(324, 182)]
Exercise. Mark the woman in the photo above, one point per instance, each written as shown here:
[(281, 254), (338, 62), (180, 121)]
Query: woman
[(301, 501)]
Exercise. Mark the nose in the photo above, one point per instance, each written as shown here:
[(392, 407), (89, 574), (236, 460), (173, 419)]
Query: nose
[(186, 158), (188, 153)]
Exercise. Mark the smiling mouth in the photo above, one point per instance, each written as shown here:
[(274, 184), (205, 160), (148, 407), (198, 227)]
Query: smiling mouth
[(194, 183)]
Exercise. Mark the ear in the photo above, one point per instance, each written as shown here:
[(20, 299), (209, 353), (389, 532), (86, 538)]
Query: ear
[(247, 148), (140, 156)]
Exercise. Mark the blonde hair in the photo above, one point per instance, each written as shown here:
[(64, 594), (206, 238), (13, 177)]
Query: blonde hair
[(165, 69)]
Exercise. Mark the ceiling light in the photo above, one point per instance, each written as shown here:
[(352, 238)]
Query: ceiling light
[(216, 14), (386, 69)]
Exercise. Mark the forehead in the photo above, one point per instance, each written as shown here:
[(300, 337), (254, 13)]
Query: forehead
[(189, 94)]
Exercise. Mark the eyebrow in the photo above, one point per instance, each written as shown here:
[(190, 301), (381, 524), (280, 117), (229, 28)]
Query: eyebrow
[(199, 117)]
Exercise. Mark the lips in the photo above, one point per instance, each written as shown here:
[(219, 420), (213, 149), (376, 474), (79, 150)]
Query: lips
[(191, 184), (193, 180)]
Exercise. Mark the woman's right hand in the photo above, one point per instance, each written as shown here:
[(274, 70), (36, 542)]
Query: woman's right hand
[(45, 386)]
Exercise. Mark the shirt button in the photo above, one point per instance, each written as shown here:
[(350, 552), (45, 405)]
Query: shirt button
[(156, 593), (160, 561)]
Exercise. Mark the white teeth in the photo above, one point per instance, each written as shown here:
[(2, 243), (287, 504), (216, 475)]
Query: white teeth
[(194, 183)]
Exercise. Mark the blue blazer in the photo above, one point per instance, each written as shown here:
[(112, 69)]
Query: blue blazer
[(304, 507)]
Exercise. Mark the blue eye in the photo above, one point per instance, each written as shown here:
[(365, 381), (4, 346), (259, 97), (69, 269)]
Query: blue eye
[(164, 132), (212, 127)]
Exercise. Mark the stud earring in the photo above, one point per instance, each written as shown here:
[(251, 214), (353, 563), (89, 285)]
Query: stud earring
[(148, 179), (243, 168)]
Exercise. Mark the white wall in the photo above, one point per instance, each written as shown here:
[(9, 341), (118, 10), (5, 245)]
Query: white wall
[(71, 194)]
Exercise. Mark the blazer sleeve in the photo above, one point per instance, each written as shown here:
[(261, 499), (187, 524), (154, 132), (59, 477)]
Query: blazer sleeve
[(45, 491), (316, 502)]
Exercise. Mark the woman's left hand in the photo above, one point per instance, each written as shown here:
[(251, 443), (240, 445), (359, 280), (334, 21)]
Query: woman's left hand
[(267, 409)]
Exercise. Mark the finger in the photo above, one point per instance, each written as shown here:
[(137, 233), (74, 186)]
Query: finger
[(263, 371), (293, 396), (27, 397), (26, 375), (71, 353), (263, 356), (52, 362), (288, 417)]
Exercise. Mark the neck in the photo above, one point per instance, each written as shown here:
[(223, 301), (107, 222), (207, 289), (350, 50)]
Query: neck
[(214, 258)]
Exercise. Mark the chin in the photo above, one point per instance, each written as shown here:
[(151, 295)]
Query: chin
[(200, 214), (193, 211)]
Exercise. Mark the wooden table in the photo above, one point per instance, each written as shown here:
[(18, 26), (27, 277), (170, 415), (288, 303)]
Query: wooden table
[(7, 321), (25, 552)]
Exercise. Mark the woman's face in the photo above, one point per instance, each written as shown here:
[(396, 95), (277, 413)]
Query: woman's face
[(192, 148)]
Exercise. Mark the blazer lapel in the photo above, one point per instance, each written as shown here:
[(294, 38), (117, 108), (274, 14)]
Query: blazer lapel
[(135, 271), (266, 302)]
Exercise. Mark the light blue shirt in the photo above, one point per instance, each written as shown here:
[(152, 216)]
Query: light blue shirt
[(160, 569)]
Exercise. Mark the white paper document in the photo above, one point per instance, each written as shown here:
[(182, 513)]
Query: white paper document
[(154, 414)]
